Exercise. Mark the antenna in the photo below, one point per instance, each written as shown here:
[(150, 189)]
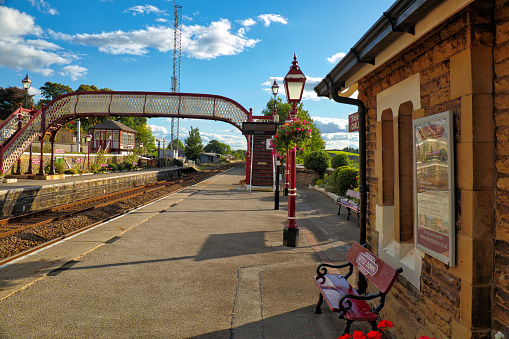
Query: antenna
[(175, 79)]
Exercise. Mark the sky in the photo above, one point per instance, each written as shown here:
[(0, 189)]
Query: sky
[(233, 48)]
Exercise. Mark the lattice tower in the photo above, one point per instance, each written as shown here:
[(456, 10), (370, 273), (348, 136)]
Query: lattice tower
[(175, 79)]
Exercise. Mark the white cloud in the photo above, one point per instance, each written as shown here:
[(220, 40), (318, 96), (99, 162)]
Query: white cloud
[(158, 131), (247, 22), (213, 41), (74, 72), (267, 19), (335, 133), (336, 57), (147, 9), (43, 7), (234, 141), (34, 55)]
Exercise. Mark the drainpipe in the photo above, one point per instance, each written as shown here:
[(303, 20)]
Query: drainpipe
[(361, 109)]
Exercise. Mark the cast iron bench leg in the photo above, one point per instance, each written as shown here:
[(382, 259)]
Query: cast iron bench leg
[(373, 325), (349, 212), (318, 307), (347, 327), (339, 209)]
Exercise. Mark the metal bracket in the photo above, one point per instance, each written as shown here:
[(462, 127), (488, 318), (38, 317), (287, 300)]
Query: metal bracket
[(362, 61), (394, 26)]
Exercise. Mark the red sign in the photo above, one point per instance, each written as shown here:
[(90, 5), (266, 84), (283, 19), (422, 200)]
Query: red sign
[(59, 151), (366, 263), (77, 161), (353, 122), (36, 161)]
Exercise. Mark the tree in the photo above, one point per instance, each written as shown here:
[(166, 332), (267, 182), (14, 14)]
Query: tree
[(10, 98), (215, 146), (180, 144), (193, 144), (316, 143), (52, 90), (239, 154), (339, 160), (317, 161), (351, 150)]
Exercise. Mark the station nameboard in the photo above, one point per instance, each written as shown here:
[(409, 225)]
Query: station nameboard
[(259, 128), (353, 122)]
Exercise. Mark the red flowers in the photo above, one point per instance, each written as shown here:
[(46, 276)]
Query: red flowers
[(371, 334)]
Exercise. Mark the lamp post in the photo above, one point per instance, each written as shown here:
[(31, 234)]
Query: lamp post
[(26, 85), (275, 89), (88, 138), (158, 150), (294, 86)]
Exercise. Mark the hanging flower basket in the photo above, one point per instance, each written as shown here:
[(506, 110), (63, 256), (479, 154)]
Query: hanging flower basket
[(293, 134)]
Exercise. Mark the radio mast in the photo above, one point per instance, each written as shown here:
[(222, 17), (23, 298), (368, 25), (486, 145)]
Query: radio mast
[(175, 79)]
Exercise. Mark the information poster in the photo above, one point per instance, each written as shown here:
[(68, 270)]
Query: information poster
[(434, 186)]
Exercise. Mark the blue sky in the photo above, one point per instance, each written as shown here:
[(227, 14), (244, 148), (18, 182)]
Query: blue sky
[(231, 48)]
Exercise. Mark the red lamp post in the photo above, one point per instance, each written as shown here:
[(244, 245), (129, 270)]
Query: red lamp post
[(294, 87), (88, 138)]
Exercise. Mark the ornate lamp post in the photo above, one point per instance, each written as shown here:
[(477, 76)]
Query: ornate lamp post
[(88, 138), (26, 85), (294, 86), (275, 89), (158, 150)]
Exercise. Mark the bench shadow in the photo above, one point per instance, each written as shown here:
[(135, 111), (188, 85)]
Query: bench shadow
[(299, 323)]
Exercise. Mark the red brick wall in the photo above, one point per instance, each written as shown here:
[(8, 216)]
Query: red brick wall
[(435, 308)]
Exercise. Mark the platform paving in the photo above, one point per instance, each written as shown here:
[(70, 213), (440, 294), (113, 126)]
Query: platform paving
[(207, 262)]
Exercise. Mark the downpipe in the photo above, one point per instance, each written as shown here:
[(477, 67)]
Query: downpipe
[(361, 109)]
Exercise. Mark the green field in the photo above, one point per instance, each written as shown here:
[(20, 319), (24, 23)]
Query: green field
[(349, 154)]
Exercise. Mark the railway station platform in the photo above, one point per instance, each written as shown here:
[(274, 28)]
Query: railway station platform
[(206, 262)]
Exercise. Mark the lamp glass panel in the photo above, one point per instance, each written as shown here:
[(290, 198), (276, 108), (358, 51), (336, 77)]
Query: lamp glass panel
[(294, 90)]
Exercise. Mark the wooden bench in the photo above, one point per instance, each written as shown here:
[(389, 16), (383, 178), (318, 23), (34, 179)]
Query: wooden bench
[(349, 203), (343, 298)]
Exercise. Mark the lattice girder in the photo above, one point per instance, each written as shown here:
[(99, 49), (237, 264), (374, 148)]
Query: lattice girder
[(84, 104)]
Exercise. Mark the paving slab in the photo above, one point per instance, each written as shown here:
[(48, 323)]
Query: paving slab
[(207, 262)]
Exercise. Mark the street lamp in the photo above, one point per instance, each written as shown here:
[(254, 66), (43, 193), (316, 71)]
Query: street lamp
[(158, 150), (26, 85), (275, 89), (88, 138), (294, 86)]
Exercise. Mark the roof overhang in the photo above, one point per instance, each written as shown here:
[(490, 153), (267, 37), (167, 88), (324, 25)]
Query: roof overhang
[(401, 25)]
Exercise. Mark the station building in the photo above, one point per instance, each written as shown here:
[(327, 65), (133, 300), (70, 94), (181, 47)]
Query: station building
[(434, 78), (112, 136)]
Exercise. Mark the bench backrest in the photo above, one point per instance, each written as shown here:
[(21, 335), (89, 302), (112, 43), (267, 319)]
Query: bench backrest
[(353, 194), (373, 268)]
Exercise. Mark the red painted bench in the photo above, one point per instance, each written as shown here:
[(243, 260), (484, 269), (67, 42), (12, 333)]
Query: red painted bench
[(349, 204), (343, 298)]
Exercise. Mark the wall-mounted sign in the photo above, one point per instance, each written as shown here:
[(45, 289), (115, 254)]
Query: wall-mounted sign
[(259, 128), (434, 187), (353, 122)]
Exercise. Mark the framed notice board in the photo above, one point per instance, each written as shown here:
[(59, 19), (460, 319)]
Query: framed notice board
[(434, 217)]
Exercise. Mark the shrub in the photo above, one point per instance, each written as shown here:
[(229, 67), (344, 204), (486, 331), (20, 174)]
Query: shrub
[(319, 183), (345, 178), (328, 183), (128, 165), (120, 167), (113, 167), (59, 167), (317, 161), (339, 160), (71, 171)]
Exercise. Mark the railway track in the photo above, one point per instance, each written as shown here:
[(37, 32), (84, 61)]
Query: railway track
[(24, 233)]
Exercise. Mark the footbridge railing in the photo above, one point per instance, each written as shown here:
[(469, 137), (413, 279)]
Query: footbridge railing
[(24, 126)]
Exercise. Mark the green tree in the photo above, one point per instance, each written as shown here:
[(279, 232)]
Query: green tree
[(180, 144), (52, 90), (239, 154), (283, 109), (339, 160), (10, 98), (317, 161), (193, 144), (215, 146)]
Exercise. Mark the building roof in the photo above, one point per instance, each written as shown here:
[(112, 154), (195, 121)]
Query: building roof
[(396, 29), (112, 124)]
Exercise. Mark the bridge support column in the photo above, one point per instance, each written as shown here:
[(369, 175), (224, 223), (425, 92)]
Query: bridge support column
[(52, 160), (41, 162)]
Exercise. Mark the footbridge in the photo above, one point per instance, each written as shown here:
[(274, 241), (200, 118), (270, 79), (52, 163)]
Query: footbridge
[(25, 126)]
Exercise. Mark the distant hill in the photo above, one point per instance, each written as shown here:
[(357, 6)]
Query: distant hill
[(349, 154)]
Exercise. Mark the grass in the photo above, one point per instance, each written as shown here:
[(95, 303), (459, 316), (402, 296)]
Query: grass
[(342, 152)]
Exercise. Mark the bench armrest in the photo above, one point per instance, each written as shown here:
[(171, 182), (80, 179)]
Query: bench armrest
[(348, 303), (321, 270)]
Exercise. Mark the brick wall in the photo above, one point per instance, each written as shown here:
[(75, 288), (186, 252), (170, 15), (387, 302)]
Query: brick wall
[(501, 112), (435, 310)]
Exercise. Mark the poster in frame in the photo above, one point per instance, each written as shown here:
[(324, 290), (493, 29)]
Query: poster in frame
[(434, 217)]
